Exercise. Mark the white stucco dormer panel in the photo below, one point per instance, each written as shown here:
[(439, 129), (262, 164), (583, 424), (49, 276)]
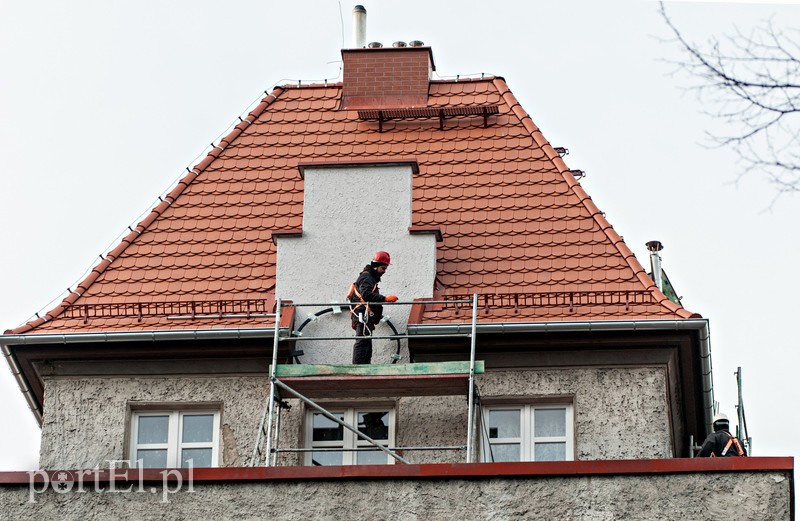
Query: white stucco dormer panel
[(349, 213)]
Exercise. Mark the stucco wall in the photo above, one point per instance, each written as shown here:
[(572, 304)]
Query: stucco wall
[(620, 413), (86, 418), (697, 496), (349, 213)]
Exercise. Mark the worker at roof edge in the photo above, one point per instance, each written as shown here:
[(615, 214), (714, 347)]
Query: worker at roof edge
[(363, 314), (721, 442)]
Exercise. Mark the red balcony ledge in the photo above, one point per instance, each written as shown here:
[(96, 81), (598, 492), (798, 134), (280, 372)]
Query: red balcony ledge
[(425, 471)]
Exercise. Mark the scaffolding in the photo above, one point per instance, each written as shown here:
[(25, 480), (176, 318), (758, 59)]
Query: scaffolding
[(305, 384)]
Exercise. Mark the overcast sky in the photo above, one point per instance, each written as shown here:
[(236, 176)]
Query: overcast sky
[(104, 104)]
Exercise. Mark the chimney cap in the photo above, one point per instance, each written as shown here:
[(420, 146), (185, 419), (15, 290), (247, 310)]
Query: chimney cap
[(654, 246), (399, 44), (416, 43), (360, 9), (374, 45)]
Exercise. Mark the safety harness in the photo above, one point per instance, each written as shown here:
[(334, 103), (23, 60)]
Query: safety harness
[(360, 311), (731, 441)]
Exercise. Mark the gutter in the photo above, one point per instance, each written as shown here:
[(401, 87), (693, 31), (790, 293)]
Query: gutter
[(699, 325), (23, 383), (138, 336)]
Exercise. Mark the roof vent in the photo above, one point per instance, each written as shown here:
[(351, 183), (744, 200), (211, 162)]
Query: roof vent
[(374, 45), (359, 27), (416, 43), (399, 44), (655, 262)]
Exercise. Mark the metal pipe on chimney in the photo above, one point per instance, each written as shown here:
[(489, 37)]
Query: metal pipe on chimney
[(359, 27), (655, 262)]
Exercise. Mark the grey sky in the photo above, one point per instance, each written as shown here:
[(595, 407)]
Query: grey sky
[(103, 105)]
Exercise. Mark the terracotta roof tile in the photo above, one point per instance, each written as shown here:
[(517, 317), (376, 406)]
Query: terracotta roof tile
[(513, 220)]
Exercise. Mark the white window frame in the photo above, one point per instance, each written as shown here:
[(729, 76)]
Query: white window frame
[(526, 439), (350, 439), (174, 444)]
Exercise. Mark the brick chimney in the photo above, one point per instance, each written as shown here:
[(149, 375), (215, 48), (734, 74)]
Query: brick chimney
[(392, 77)]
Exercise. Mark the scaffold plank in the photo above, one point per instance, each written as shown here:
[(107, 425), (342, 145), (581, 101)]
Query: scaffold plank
[(283, 371), (378, 380)]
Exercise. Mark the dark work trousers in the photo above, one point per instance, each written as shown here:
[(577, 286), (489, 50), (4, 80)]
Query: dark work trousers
[(362, 350)]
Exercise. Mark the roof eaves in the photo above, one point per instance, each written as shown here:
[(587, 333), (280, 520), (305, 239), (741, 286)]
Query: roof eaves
[(586, 200), (170, 198)]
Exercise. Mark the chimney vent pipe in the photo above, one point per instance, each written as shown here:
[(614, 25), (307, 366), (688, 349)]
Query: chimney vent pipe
[(655, 262), (359, 27)]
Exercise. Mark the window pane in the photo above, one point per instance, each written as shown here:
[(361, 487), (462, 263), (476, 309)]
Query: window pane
[(550, 452), (503, 452), (504, 424), (153, 429), (199, 457), (152, 459), (198, 428), (549, 422), (374, 424), (326, 458), (376, 457), (327, 430)]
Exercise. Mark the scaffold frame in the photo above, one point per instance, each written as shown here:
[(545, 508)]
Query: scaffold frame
[(269, 427)]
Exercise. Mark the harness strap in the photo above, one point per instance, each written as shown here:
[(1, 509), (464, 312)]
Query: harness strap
[(733, 441), (354, 291)]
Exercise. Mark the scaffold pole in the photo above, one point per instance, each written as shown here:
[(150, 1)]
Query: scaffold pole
[(271, 405)]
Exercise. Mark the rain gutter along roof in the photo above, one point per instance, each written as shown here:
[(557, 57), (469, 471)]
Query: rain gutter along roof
[(138, 336), (22, 382)]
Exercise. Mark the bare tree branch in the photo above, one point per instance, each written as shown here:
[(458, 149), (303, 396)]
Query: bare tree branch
[(751, 82)]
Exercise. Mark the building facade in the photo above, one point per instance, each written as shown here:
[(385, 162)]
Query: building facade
[(590, 384)]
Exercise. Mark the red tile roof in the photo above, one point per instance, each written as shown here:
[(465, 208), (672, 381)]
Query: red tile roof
[(514, 220)]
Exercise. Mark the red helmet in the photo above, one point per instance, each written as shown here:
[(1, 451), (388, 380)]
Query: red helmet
[(382, 257)]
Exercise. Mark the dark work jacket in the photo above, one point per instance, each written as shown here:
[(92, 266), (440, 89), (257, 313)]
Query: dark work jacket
[(367, 285), (715, 444)]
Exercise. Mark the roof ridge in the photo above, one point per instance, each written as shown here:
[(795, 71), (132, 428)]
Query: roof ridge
[(586, 200), (140, 228)]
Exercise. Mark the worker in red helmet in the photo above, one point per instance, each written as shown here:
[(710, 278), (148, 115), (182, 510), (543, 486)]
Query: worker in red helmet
[(363, 313)]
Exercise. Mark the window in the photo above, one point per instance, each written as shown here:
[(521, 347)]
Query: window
[(168, 439), (527, 433), (326, 436)]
